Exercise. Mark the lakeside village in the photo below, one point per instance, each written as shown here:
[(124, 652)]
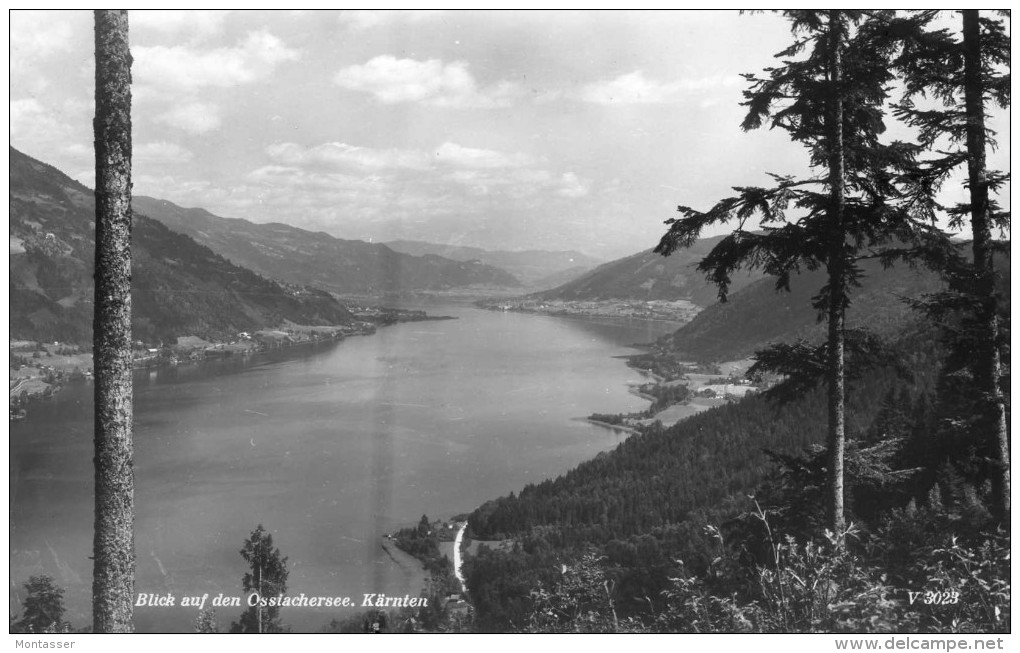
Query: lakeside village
[(39, 369), (679, 389), (679, 310)]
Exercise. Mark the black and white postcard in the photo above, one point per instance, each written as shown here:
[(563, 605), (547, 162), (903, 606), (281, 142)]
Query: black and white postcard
[(505, 321)]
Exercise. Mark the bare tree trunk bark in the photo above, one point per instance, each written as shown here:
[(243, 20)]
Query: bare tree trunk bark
[(987, 365), (837, 289), (113, 547)]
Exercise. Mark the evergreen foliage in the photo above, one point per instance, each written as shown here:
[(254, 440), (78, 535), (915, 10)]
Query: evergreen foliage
[(267, 578), (831, 101), (42, 609), (720, 523), (645, 504), (206, 622), (955, 79)]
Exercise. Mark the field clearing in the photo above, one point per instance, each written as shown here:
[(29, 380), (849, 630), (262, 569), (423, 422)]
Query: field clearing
[(674, 414), (33, 386), (192, 342), (67, 363), (233, 348), (699, 381), (736, 368), (307, 328), (446, 549), (729, 389), (495, 545)]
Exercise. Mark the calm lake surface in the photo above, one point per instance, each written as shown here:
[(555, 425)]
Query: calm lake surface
[(327, 446)]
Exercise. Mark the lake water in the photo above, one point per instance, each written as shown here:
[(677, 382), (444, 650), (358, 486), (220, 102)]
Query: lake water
[(327, 446)]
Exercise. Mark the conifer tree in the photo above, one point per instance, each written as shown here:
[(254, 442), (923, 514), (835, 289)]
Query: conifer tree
[(43, 605), (267, 577), (831, 101), (960, 76)]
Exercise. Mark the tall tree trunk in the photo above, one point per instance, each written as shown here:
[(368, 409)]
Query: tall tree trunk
[(987, 364), (113, 548), (837, 284)]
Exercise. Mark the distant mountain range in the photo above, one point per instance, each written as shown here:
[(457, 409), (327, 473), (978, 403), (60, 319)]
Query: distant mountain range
[(179, 287), (316, 258), (649, 276), (535, 268), (755, 313)]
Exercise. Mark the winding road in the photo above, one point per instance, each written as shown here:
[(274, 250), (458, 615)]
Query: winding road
[(457, 559)]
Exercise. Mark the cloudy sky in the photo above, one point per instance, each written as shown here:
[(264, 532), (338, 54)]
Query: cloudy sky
[(504, 130)]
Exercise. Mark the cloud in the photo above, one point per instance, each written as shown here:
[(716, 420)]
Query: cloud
[(432, 82), (41, 33), (342, 154), (27, 114), (185, 68), (469, 157), (193, 117), (161, 153), (191, 24), (46, 53), (573, 186), (634, 88), (175, 75), (352, 191), (519, 184), (61, 133), (362, 19), (186, 192)]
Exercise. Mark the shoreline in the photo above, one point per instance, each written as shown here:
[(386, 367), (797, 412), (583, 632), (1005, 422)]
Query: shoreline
[(413, 569), (419, 570), (592, 316), (614, 427), (212, 352)]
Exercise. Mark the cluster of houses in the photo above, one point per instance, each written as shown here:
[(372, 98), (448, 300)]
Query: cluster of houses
[(657, 309), (244, 343), (738, 389)]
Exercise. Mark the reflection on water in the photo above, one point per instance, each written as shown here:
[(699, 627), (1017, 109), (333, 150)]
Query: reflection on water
[(327, 446)]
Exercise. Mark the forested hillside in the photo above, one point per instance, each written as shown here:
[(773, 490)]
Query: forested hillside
[(648, 276), (876, 461), (300, 256), (178, 286), (760, 314), (645, 504)]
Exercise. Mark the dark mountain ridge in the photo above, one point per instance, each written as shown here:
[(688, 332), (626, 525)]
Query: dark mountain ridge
[(179, 287), (532, 267), (759, 314), (649, 276), (296, 255)]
